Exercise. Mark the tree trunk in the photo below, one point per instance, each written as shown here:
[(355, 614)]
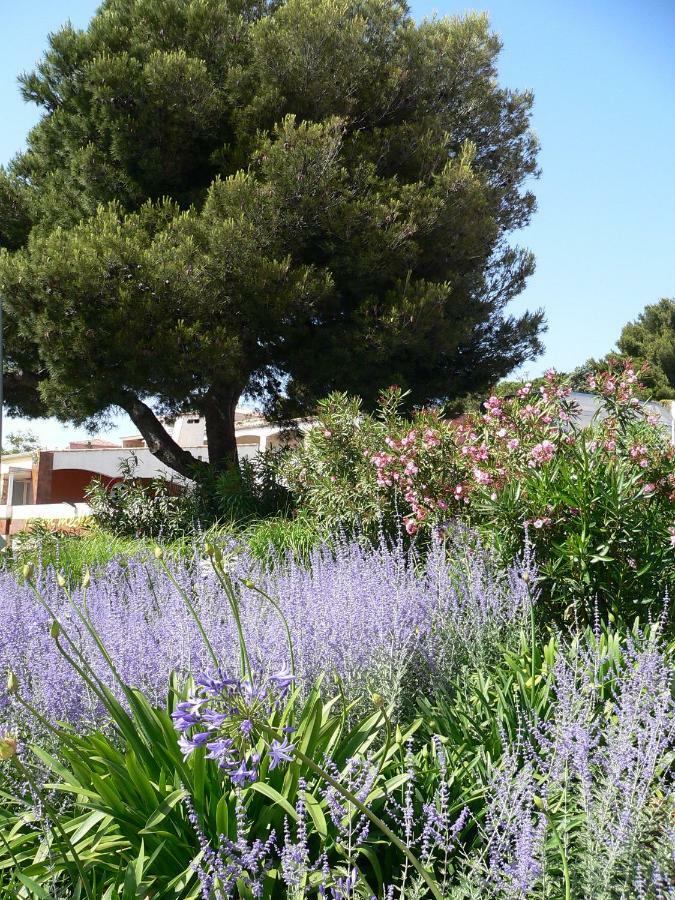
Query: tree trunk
[(219, 409), (159, 441)]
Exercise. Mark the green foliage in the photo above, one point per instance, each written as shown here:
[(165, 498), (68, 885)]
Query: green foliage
[(330, 474), (124, 796), (598, 539), (21, 442), (651, 339), (273, 540), (135, 508), (255, 495), (231, 199), (70, 553)]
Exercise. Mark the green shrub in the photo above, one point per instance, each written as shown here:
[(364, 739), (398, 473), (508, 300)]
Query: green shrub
[(136, 508), (254, 493)]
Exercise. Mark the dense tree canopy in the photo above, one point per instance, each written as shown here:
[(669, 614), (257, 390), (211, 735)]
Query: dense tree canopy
[(227, 198), (651, 339)]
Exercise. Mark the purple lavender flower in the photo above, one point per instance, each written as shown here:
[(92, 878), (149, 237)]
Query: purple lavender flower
[(368, 615)]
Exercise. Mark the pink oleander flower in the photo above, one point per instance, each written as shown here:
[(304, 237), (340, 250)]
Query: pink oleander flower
[(638, 450), (327, 432), (541, 453), (410, 526), (540, 523), (481, 476), (649, 488), (513, 444)]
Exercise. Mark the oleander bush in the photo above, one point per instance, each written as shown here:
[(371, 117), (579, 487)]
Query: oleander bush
[(596, 503)]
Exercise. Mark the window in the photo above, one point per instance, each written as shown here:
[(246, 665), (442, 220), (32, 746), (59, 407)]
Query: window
[(193, 421), (22, 493)]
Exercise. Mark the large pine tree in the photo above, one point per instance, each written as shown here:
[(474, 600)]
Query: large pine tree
[(226, 197)]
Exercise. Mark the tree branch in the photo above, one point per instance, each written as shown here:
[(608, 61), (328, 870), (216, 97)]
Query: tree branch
[(159, 441)]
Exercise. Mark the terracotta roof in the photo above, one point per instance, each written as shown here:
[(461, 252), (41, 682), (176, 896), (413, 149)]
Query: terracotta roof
[(91, 444)]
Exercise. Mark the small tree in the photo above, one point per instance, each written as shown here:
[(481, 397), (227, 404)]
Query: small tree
[(21, 442), (277, 200)]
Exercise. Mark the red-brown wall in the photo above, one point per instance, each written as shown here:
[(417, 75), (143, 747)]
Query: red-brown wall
[(69, 485)]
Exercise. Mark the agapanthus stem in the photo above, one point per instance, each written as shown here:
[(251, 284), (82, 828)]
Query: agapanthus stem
[(60, 733), (226, 584), (277, 607)]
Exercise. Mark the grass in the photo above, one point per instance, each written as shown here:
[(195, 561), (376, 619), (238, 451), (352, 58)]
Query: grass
[(93, 548)]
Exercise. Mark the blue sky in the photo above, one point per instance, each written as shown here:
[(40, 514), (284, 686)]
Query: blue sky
[(603, 74)]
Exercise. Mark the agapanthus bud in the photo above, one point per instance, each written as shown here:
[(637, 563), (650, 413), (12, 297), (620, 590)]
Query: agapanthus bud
[(159, 553), (55, 629), (539, 802), (209, 549), (377, 700), (7, 747), (28, 571), (86, 579), (248, 583), (60, 580), (12, 683), (525, 576)]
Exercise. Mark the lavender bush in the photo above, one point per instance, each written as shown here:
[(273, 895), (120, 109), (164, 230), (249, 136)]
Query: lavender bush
[(378, 618), (582, 803)]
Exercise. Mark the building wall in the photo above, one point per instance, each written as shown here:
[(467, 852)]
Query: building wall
[(69, 485), (43, 471)]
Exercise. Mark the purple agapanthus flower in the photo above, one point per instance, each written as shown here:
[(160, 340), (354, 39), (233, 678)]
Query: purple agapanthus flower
[(280, 751), (188, 745), (213, 718), (282, 680), (222, 751), (242, 774)]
